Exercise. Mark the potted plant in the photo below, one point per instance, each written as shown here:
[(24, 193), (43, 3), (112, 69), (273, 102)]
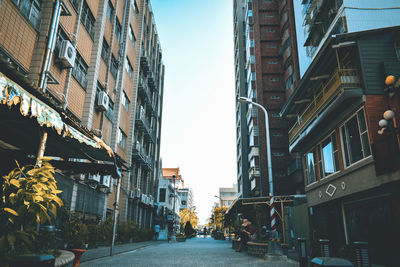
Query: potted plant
[(28, 199)]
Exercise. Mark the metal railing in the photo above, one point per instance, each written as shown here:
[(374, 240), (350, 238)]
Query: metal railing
[(339, 81)]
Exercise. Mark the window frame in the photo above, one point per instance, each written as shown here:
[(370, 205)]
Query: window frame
[(314, 158), (347, 162), (114, 67), (79, 71), (88, 20), (105, 50), (122, 137), (321, 157), (34, 5)]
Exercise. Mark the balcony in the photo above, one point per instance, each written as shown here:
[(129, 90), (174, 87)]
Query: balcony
[(144, 62), (138, 152), (143, 124), (254, 172), (152, 81), (144, 91), (148, 163), (340, 82)]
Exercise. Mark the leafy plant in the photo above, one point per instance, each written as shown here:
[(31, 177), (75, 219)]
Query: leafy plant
[(28, 196), (75, 232)]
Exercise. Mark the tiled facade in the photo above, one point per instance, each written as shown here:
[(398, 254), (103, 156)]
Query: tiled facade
[(266, 71), (118, 54)]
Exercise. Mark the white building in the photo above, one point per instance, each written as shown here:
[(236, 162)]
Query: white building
[(186, 195)]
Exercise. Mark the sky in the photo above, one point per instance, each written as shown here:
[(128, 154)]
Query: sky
[(198, 123)]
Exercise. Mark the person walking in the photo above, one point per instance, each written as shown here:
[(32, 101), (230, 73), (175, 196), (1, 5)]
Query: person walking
[(157, 231)]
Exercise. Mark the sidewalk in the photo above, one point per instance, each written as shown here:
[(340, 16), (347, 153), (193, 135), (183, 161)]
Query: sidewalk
[(101, 252)]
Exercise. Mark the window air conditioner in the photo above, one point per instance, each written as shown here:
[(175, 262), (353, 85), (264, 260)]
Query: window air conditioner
[(131, 194), (106, 181), (137, 193), (94, 177), (102, 102), (67, 54)]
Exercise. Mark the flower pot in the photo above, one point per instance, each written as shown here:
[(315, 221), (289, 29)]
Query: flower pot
[(78, 254)]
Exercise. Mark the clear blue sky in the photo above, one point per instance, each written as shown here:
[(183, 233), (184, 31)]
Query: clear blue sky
[(198, 128)]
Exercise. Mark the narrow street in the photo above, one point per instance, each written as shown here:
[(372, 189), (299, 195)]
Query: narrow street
[(194, 252)]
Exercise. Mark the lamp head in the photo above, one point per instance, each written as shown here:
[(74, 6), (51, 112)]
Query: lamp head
[(245, 100), (388, 115), (383, 123)]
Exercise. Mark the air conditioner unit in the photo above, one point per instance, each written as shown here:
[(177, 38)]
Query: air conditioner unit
[(94, 177), (105, 181), (102, 101), (151, 200), (67, 54), (131, 194), (137, 193)]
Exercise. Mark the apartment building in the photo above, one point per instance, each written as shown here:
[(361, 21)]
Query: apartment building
[(186, 196), (351, 165), (266, 71), (98, 64), (227, 195)]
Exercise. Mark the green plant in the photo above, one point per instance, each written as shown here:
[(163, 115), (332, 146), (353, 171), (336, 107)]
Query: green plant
[(75, 232), (28, 197)]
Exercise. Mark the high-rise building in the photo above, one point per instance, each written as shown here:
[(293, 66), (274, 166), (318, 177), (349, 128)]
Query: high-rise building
[(266, 71), (99, 65)]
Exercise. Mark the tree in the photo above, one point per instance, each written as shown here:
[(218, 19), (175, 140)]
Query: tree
[(187, 214), (215, 218)]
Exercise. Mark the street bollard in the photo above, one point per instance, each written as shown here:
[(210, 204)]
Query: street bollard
[(324, 247), (302, 245), (361, 254)]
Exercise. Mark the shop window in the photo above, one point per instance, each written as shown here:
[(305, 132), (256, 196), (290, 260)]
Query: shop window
[(31, 10), (355, 139)]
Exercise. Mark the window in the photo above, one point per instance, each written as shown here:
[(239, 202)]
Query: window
[(110, 10), (275, 97), (273, 62), (79, 71), (271, 30), (128, 67), (161, 198), (105, 50), (275, 115), (75, 3), (118, 30), (268, 15), (125, 101), (31, 10), (328, 156), (183, 202), (114, 67), (87, 19), (134, 6), (272, 46), (277, 135), (278, 154), (355, 139), (310, 167), (273, 79), (121, 138), (110, 111), (397, 48), (132, 36), (61, 36), (289, 82)]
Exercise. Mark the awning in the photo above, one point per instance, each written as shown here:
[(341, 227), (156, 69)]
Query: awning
[(22, 119)]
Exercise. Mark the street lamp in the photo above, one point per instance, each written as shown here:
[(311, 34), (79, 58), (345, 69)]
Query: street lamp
[(222, 214), (270, 178)]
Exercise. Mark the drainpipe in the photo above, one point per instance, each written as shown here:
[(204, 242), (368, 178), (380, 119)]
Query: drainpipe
[(50, 44)]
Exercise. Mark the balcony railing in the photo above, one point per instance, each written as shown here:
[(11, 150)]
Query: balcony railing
[(144, 90), (339, 82), (144, 125), (254, 172), (144, 62), (152, 81), (138, 152)]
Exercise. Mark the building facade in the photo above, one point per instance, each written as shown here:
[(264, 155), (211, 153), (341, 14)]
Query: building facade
[(100, 62), (266, 71), (186, 195), (227, 195), (351, 165)]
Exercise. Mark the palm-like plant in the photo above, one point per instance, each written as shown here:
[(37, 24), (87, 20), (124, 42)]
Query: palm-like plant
[(28, 196)]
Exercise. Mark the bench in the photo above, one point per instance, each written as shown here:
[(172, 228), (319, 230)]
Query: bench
[(257, 249)]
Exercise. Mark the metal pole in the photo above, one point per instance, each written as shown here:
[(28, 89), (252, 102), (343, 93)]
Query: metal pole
[(222, 216), (42, 148), (116, 211)]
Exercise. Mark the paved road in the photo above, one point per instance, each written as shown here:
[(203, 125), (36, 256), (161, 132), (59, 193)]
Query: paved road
[(193, 252)]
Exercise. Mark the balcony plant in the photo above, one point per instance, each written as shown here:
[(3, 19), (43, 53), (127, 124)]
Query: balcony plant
[(28, 198)]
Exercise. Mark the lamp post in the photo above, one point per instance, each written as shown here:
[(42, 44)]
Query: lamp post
[(222, 214), (270, 178), (173, 238)]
